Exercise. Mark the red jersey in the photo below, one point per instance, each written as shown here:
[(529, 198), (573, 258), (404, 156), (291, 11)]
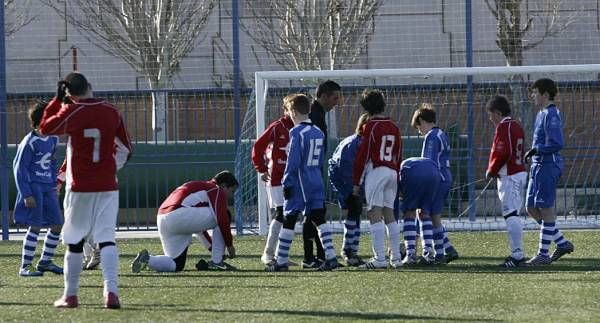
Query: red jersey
[(269, 151), (506, 157), (381, 145), (201, 194), (97, 145)]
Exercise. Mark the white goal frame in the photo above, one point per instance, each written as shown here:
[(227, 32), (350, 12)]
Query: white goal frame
[(262, 86)]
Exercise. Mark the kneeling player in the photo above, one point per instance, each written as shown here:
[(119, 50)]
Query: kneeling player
[(192, 208), (419, 181)]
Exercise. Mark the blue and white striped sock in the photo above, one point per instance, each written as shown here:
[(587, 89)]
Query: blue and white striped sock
[(356, 237), (546, 237), (326, 240), (427, 234), (410, 236), (558, 237), (50, 244), (438, 240), (349, 229), (286, 236), (29, 245), (447, 244)]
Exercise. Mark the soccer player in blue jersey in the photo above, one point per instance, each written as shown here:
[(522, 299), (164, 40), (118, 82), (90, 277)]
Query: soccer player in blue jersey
[(436, 147), (340, 176), (303, 185), (37, 205), (419, 181), (546, 169)]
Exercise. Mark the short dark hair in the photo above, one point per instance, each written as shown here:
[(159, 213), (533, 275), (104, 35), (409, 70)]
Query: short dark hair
[(36, 112), (77, 84), (499, 103), (299, 103), (425, 112), (327, 87), (546, 85), (372, 101), (226, 178)]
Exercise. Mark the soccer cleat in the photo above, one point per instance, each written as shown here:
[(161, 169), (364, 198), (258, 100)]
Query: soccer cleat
[(267, 259), (440, 259), (427, 259), (111, 301), (222, 266), (354, 261), (539, 260), (30, 271), (94, 260), (511, 262), (311, 264), (567, 248), (396, 263), (410, 259), (402, 251), (140, 262), (67, 302), (276, 267), (451, 255), (329, 264), (374, 264), (44, 266)]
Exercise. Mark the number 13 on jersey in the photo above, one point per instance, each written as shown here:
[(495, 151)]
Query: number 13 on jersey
[(387, 145)]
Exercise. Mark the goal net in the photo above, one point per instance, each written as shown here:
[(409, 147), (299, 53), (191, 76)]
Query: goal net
[(458, 96)]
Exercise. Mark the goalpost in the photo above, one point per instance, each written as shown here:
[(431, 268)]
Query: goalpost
[(459, 96)]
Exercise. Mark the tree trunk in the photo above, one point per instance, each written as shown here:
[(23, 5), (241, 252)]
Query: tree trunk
[(159, 111)]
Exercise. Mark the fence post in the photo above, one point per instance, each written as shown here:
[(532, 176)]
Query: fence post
[(4, 166), (470, 121), (235, 28)]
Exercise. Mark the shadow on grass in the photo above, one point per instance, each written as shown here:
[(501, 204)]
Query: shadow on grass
[(308, 313)]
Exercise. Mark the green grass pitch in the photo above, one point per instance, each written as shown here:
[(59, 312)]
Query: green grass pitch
[(472, 289)]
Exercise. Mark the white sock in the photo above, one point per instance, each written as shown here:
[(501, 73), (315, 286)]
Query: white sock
[(514, 226), (218, 246), (109, 262), (72, 270), (273, 238), (393, 230), (378, 238), (162, 263)]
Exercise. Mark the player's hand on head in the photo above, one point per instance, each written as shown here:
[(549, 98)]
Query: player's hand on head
[(30, 202), (231, 251), (530, 154), (61, 90)]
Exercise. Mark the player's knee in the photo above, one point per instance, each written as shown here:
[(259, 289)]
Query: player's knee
[(318, 216), (76, 248), (279, 214), (513, 213), (289, 221), (106, 244)]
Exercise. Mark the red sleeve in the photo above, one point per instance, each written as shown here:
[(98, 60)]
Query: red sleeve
[(220, 205), (500, 150), (259, 149), (62, 173), (52, 121), (362, 155)]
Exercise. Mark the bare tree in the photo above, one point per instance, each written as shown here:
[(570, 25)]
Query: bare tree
[(16, 15), (311, 34), (152, 36)]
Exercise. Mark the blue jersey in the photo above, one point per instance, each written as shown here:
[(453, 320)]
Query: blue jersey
[(419, 181), (437, 148), (548, 136), (35, 162), (340, 167), (302, 175)]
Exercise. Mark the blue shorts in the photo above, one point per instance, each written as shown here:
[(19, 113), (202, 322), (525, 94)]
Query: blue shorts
[(441, 194), (297, 205), (418, 191), (541, 190), (47, 213)]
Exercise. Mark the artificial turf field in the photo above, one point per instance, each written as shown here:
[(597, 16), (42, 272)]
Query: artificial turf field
[(471, 289)]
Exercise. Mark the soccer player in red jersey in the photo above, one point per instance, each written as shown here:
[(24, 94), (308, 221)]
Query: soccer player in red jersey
[(98, 145)]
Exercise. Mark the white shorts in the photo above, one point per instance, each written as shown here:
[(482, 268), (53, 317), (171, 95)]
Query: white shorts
[(511, 190), (275, 195), (381, 185), (177, 227), (91, 216)]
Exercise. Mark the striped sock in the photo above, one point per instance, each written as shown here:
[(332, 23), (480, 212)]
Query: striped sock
[(447, 244), (29, 245), (558, 238), (326, 240), (286, 236), (427, 235), (50, 244), (410, 236), (356, 237), (438, 240), (349, 229), (546, 234), (393, 230)]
